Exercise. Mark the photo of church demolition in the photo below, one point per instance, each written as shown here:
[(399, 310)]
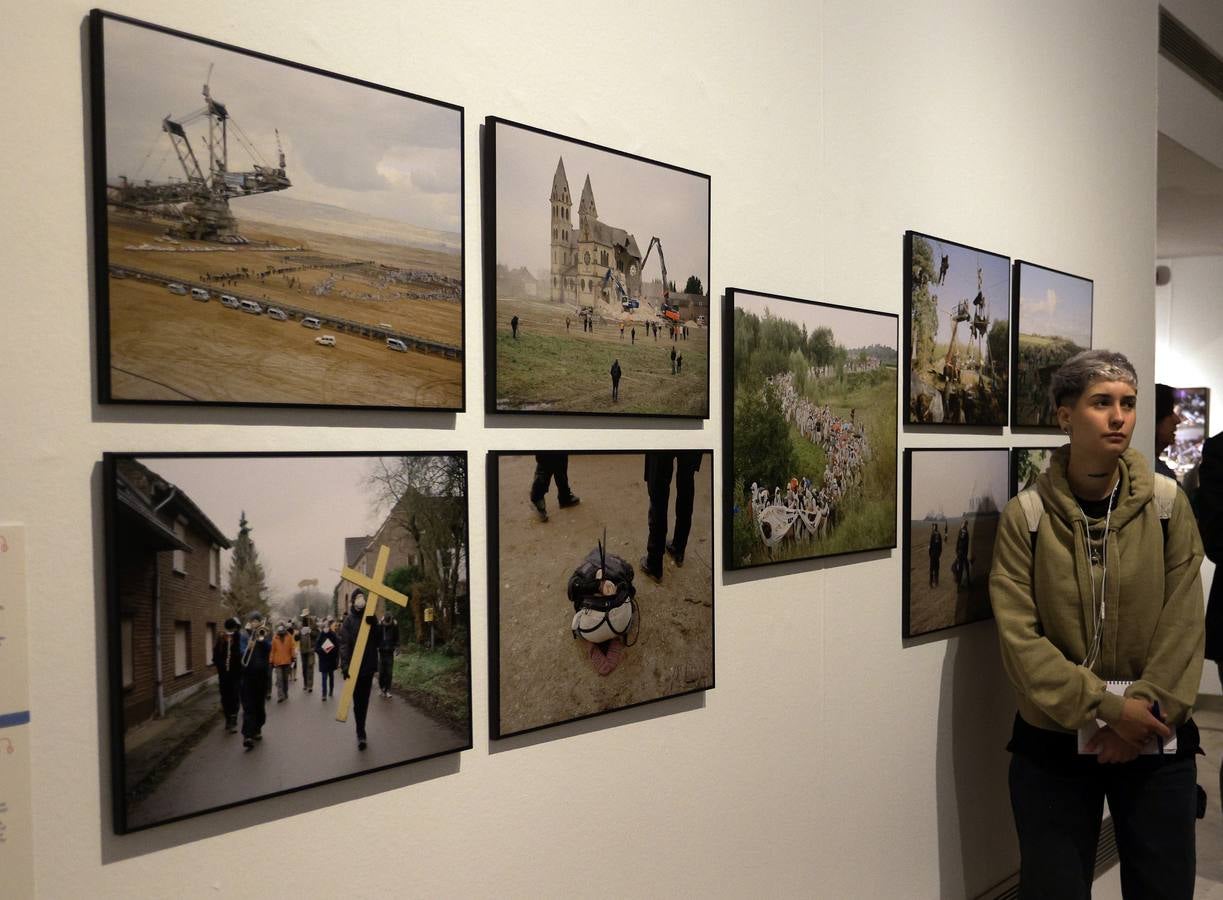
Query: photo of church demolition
[(282, 237), (611, 313)]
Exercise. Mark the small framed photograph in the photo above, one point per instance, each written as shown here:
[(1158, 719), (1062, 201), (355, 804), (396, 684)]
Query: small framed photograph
[(810, 429), (1028, 464), (600, 582), (596, 279), (270, 234), (953, 502), (1184, 454), (1052, 324), (957, 337), (280, 620)]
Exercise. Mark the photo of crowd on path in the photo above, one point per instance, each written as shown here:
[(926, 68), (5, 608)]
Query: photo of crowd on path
[(240, 586), (1028, 464), (1053, 323), (953, 502), (811, 416), (957, 306), (268, 234), (1184, 454), (601, 582), (599, 309)]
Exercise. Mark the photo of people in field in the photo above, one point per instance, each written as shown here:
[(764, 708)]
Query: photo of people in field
[(1053, 321), (811, 415), (953, 502), (958, 343)]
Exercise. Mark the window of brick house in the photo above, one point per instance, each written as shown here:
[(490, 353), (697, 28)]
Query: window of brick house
[(182, 648), (210, 640), (127, 627), (180, 556), (214, 566)]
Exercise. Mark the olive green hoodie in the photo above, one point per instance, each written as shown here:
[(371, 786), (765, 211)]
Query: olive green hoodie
[(1153, 625)]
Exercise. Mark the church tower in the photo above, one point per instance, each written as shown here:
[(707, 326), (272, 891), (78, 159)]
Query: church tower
[(562, 232)]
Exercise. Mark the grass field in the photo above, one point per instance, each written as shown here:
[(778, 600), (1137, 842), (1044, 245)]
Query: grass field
[(435, 682), (550, 368), (1039, 356), (867, 518)]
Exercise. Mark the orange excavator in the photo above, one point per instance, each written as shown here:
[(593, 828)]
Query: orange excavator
[(668, 311)]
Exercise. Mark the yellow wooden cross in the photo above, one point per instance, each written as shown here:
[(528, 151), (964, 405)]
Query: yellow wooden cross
[(375, 590)]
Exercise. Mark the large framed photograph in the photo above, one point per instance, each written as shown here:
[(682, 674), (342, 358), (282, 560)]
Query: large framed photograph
[(277, 621), (957, 338), (953, 502), (1052, 324), (1028, 464), (810, 424), (267, 233), (1184, 454), (600, 582), (596, 279)]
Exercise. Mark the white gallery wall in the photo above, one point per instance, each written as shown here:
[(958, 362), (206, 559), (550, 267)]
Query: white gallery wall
[(832, 759)]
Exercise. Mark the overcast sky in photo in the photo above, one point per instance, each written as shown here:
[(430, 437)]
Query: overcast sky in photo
[(946, 480), (645, 200), (961, 284), (1053, 304), (362, 149), (851, 327), (299, 509)]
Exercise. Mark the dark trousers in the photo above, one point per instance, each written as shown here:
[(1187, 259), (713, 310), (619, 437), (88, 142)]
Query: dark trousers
[(934, 571), (386, 662), (282, 682), (658, 468), (230, 684), (328, 681), (254, 701), (1058, 807), (615, 388), (549, 466), (308, 671), (360, 700)]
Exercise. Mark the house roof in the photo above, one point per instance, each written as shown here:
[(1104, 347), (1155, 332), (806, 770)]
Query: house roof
[(560, 183), (156, 494)]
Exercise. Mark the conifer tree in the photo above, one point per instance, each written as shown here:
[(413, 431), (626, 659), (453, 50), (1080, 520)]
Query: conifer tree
[(247, 590)]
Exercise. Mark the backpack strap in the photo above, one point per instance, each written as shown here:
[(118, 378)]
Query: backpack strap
[(1033, 511)]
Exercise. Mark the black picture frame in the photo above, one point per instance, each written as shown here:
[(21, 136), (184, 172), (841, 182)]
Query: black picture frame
[(536, 619), (149, 518), (925, 403), (921, 612), (1031, 408), (743, 543), (550, 353), (1031, 467), (327, 258)]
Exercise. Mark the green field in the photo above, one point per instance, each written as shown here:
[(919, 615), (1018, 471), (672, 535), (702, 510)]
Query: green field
[(435, 682)]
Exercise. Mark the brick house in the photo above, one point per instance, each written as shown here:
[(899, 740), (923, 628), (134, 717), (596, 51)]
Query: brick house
[(168, 555)]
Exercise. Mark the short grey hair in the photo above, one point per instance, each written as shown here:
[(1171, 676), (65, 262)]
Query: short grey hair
[(1077, 374)]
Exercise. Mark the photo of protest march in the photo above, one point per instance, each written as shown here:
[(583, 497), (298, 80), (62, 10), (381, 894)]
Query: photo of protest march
[(278, 621), (599, 298), (1053, 321), (959, 333), (601, 582), (812, 412), (954, 500)]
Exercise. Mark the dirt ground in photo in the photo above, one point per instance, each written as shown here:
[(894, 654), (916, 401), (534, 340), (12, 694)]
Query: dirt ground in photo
[(932, 608), (168, 346), (545, 673)]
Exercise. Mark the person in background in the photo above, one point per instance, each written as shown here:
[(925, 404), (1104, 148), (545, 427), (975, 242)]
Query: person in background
[(365, 667), (1166, 420), (615, 377), (388, 646), (256, 675), (307, 639), (227, 657), (1096, 579), (327, 649), (1209, 499), (549, 467), (658, 470), (282, 658), (936, 553)]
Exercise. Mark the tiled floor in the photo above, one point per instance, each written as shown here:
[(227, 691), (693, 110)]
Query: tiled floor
[(1209, 886)]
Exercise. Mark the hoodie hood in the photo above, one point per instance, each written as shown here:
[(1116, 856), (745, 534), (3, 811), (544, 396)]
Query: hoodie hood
[(1134, 492)]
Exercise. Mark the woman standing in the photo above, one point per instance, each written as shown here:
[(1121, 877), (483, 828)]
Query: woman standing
[(328, 652), (1098, 581)]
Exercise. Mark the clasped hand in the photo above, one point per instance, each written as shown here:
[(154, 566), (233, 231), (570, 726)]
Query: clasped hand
[(1120, 741)]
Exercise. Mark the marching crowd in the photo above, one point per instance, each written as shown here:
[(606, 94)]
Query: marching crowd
[(251, 658)]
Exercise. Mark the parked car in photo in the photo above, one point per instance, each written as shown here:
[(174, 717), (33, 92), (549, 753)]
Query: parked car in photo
[(199, 294), (325, 340), (176, 288), (250, 306), (277, 314), (396, 344), (229, 301), (311, 322), (385, 326)]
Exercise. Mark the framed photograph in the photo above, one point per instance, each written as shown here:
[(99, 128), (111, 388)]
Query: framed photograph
[(957, 342), (1027, 464), (1052, 324), (257, 601), (810, 424), (270, 234), (600, 582), (584, 311), (1184, 454), (953, 501)]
